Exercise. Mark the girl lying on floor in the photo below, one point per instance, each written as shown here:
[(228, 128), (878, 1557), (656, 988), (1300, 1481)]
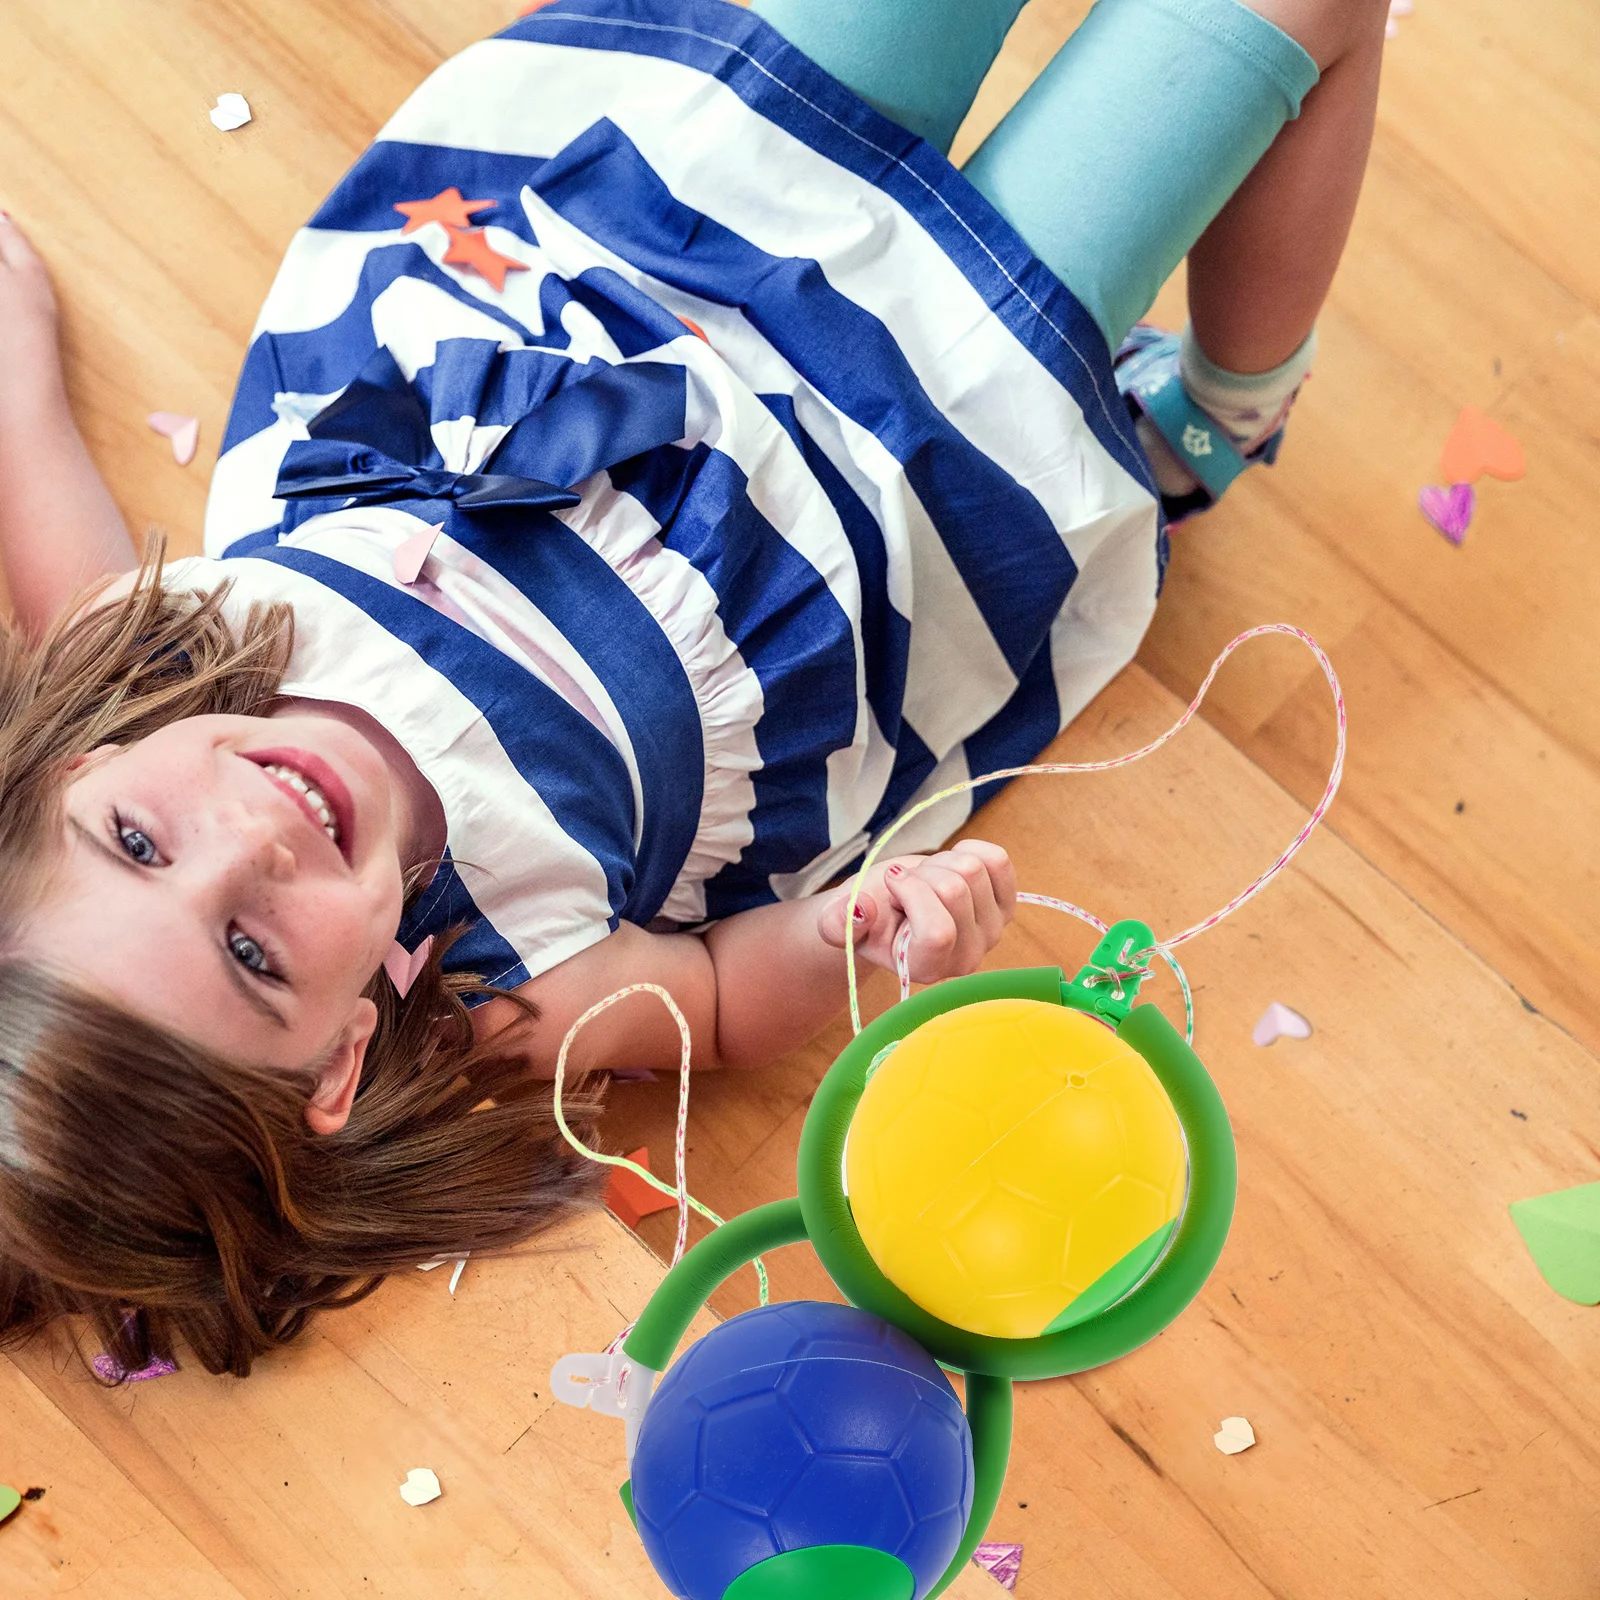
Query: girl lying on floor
[(655, 468)]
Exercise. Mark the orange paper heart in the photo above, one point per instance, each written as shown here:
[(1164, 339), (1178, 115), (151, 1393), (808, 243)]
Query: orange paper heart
[(629, 1197), (1478, 444)]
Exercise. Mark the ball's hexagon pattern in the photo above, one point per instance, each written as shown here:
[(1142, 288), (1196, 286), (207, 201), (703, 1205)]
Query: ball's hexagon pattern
[(752, 1451), (1006, 1156), (799, 1425), (880, 1510), (932, 1467)]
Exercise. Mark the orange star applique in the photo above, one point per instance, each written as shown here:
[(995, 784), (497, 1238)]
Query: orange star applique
[(472, 249), (447, 207)]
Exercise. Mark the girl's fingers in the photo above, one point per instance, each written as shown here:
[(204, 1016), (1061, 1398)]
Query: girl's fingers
[(956, 904), (974, 873), (831, 924), (15, 250), (935, 935), (955, 892), (1002, 874)]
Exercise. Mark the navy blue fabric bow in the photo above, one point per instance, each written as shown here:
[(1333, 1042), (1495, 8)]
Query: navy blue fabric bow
[(316, 469), (374, 446)]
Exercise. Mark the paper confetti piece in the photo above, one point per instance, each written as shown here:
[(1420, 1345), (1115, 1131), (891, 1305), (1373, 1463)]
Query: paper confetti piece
[(231, 111), (1478, 444), (472, 249), (439, 1261), (107, 1369), (1279, 1022), (1002, 1562), (411, 557), (1234, 1435), (9, 1501), (1562, 1233), (629, 1197), (1449, 510), (184, 432), (401, 964), (420, 1487)]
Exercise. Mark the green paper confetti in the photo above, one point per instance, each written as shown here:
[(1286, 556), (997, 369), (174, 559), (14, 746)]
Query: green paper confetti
[(9, 1501), (1562, 1233)]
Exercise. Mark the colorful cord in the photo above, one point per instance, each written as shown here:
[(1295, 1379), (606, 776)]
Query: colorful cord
[(1163, 948)]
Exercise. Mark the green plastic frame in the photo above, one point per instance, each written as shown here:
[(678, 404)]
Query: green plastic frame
[(718, 1256), (1141, 1314), (822, 1215)]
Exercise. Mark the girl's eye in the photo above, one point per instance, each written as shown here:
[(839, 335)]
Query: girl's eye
[(249, 954), (137, 843)]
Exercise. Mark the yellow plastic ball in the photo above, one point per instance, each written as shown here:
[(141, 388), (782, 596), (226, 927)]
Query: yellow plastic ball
[(1014, 1167)]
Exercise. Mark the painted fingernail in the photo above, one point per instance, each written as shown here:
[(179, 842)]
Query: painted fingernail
[(859, 915), (894, 872)]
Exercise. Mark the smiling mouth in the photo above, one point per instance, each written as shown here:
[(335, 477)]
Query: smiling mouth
[(316, 787), (313, 795)]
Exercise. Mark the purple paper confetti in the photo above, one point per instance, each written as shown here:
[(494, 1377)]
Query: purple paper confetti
[(107, 1369), (1449, 510), (1000, 1561)]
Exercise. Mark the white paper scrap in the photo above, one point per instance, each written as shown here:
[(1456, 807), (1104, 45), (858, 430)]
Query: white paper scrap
[(420, 1487), (1234, 1435), (231, 111)]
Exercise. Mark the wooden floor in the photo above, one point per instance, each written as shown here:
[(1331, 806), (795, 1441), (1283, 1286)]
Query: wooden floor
[(1427, 1409)]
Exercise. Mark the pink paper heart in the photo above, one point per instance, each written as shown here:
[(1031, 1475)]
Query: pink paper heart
[(184, 432), (411, 556), (1001, 1561), (1449, 510), (1279, 1022), (403, 965)]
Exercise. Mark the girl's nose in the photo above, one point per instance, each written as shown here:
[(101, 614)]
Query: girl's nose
[(254, 842)]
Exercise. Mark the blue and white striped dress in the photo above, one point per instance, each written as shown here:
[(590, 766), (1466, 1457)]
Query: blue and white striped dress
[(885, 526)]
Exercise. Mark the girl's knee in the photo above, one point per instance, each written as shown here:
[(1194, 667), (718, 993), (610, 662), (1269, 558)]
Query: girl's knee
[(1327, 30)]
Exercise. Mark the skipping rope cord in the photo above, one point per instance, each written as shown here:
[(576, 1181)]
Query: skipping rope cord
[(1135, 966)]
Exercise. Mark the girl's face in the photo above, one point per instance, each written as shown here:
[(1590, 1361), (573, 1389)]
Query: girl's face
[(236, 880)]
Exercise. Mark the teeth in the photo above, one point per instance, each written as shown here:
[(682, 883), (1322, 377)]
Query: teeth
[(313, 795)]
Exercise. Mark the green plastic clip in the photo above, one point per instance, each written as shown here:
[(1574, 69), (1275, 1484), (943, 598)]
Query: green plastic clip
[(1108, 983)]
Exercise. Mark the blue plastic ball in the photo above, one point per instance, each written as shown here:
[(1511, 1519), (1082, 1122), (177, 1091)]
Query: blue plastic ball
[(796, 1426)]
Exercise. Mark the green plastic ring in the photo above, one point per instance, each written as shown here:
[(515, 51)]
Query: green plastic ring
[(1141, 1314)]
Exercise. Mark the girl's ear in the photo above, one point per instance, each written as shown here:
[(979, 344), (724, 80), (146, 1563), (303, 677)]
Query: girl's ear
[(92, 757), (329, 1107)]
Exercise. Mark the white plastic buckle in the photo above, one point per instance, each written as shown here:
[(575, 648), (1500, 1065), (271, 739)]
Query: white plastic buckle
[(611, 1383)]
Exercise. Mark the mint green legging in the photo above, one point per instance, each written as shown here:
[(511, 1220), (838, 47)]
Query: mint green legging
[(1126, 146)]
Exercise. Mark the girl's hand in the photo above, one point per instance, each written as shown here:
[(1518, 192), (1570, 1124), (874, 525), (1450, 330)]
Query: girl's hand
[(30, 360), (957, 904)]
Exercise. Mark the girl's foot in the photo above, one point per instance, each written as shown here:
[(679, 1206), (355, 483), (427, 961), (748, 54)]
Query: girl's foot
[(1200, 426)]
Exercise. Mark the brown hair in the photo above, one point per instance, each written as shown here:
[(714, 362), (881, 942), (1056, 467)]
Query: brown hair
[(167, 1193)]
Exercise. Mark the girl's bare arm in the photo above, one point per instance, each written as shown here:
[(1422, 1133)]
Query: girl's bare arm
[(758, 984), (59, 527)]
